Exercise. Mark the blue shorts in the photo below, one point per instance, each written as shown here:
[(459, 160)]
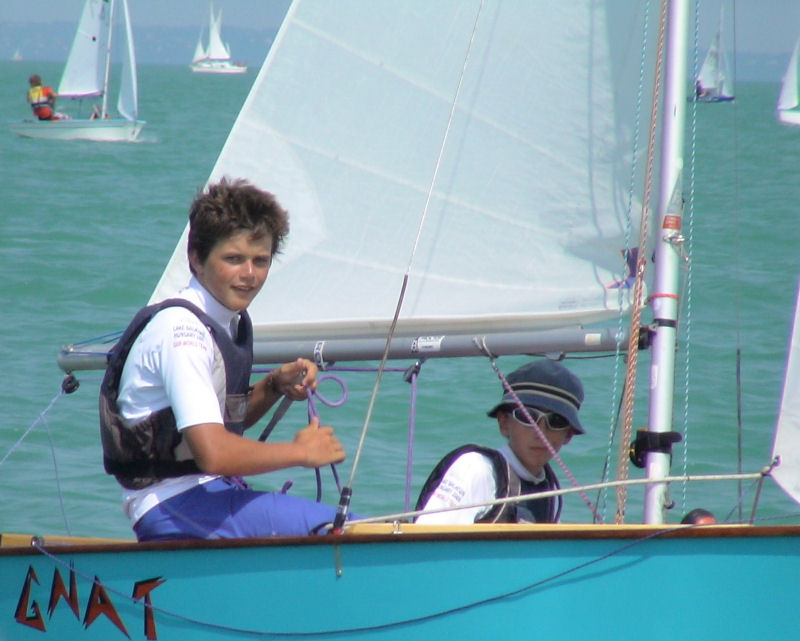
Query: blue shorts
[(221, 509)]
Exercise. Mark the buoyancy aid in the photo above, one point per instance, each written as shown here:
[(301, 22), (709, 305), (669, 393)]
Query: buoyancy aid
[(142, 454), (41, 102), (507, 484)]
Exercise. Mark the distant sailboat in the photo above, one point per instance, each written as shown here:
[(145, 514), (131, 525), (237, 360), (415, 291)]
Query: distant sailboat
[(17, 57), (217, 57), (86, 75), (712, 83), (788, 102)]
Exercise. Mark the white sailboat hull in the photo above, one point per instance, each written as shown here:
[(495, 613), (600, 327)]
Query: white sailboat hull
[(217, 66), (116, 130), (789, 117)]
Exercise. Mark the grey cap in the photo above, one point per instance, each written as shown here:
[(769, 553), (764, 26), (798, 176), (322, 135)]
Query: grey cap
[(546, 385)]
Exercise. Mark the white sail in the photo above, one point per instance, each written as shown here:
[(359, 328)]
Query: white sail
[(788, 100), (216, 58), (128, 101), (84, 72), (712, 81), (520, 225), (199, 50), (216, 48), (787, 433)]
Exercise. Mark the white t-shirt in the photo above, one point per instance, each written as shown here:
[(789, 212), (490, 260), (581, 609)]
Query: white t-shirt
[(175, 363), (469, 479)]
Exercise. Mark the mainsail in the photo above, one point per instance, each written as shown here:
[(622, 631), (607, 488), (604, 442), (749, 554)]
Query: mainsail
[(788, 99), (786, 448), (217, 50), (502, 222), (713, 83)]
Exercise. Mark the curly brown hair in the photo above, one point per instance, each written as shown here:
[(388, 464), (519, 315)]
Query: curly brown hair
[(232, 206)]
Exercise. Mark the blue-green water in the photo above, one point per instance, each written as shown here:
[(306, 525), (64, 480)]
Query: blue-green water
[(87, 229)]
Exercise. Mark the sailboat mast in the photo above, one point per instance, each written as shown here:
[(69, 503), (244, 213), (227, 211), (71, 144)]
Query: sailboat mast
[(665, 301), (107, 75)]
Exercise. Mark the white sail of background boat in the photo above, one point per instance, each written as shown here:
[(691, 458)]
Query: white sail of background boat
[(452, 115), (17, 56), (86, 79), (713, 83), (788, 107), (216, 57)]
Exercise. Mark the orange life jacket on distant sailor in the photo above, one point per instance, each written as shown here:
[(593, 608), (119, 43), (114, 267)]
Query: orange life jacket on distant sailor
[(42, 101)]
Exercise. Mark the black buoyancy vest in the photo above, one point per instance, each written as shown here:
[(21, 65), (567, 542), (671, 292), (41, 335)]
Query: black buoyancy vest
[(142, 454), (508, 484)]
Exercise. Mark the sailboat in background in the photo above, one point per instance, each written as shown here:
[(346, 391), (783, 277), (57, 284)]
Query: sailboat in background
[(788, 107), (17, 57), (216, 58), (712, 83), (508, 214), (87, 76)]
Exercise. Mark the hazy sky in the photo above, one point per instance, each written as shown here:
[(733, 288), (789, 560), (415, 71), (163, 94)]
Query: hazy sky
[(256, 14), (762, 26)]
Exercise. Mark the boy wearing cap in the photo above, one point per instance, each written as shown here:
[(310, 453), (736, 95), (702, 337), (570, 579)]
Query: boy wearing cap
[(472, 474)]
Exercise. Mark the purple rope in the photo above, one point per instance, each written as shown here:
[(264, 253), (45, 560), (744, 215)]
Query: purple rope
[(312, 412)]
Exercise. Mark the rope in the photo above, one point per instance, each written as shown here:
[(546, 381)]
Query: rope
[(616, 405), (633, 341), (312, 412)]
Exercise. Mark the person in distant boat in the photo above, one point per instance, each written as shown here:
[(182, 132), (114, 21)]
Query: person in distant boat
[(699, 516), (176, 396), (471, 474), (42, 99)]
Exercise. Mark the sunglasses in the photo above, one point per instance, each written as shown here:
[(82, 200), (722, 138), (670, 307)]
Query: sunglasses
[(553, 421)]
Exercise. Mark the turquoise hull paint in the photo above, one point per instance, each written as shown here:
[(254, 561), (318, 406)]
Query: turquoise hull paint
[(408, 586)]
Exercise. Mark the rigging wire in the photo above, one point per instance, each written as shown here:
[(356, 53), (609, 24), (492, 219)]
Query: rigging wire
[(737, 268), (615, 412), (686, 325), (344, 500), (42, 418)]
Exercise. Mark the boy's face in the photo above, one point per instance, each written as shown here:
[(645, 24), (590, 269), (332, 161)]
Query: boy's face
[(236, 269), (525, 443)]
